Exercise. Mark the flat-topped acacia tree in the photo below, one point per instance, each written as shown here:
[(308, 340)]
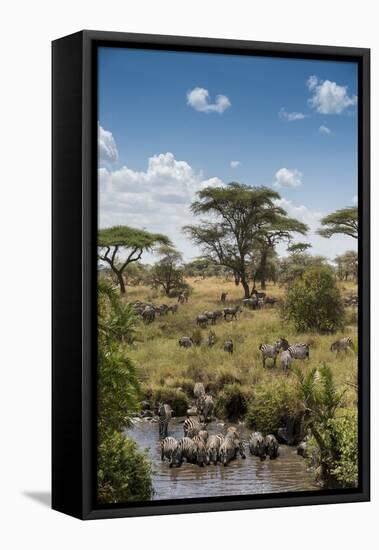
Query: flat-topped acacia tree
[(133, 242), (239, 217), (340, 222)]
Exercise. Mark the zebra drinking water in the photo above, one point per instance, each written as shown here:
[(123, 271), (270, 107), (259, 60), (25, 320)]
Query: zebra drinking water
[(192, 426), (170, 450)]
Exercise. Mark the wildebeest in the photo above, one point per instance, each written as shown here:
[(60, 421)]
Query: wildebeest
[(228, 346), (270, 351), (231, 312), (148, 314), (213, 315), (285, 361), (170, 450), (257, 445), (185, 342), (211, 339), (272, 446), (164, 413), (343, 344), (223, 297), (202, 321)]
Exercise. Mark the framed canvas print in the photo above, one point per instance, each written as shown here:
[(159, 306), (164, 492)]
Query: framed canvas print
[(210, 274)]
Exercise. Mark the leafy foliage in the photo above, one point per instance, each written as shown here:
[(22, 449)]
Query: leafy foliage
[(231, 402), (123, 473), (314, 302), (340, 222), (167, 273), (271, 405), (176, 398)]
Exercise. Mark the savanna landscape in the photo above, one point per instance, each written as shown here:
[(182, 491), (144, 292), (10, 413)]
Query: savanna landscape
[(227, 275)]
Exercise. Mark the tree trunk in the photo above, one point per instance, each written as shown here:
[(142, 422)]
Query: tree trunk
[(263, 268), (245, 285), (236, 278), (121, 282)]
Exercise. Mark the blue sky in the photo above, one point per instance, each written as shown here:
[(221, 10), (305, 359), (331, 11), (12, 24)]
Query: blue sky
[(273, 125)]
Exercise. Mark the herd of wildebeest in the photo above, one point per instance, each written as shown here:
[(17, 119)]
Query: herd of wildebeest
[(197, 446), (258, 300)]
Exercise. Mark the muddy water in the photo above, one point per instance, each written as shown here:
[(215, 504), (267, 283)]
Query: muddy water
[(251, 476)]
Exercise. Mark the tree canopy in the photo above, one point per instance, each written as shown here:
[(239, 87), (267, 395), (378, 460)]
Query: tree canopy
[(133, 241), (340, 222), (239, 217)]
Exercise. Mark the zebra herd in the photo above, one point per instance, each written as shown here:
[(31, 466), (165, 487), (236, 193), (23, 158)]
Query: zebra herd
[(149, 311), (199, 447)]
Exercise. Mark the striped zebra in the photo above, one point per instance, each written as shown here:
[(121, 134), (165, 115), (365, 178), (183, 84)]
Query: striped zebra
[(164, 413), (170, 450), (205, 407), (299, 351), (270, 351), (257, 445), (192, 426), (343, 344), (227, 450), (231, 312), (187, 450), (228, 346), (199, 393), (204, 435), (212, 447), (272, 446), (285, 361), (201, 453)]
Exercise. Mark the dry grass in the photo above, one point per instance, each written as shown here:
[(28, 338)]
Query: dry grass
[(162, 362)]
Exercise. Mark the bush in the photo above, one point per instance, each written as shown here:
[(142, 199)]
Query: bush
[(224, 376), (177, 400), (123, 473), (314, 302), (345, 430), (271, 406), (231, 402)]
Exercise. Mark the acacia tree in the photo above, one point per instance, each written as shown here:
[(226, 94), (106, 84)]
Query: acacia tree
[(340, 222), (281, 229), (133, 242), (240, 215), (166, 273), (347, 265)]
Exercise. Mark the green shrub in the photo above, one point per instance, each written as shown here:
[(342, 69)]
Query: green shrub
[(314, 302), (345, 469), (123, 473), (231, 402), (271, 406), (177, 400), (224, 376)]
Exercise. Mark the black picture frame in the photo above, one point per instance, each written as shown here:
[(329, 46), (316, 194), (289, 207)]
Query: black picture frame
[(74, 205)]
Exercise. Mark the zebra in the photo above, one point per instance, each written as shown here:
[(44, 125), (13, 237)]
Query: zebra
[(258, 294), (272, 446), (251, 303), (270, 300), (185, 342), (223, 297), (198, 389), (187, 450), (148, 314), (257, 445), (202, 320), (231, 312), (182, 298), (164, 413), (173, 308), (212, 447), (229, 449), (211, 339), (343, 344), (205, 406), (228, 346), (270, 351), (299, 351), (234, 434), (286, 361), (192, 426), (200, 453), (170, 450), (204, 435)]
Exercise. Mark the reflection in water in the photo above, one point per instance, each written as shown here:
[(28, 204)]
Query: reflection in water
[(240, 477)]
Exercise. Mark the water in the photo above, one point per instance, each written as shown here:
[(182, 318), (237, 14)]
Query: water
[(251, 476)]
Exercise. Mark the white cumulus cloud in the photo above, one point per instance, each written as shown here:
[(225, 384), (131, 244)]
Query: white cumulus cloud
[(324, 130), (286, 177), (107, 148), (234, 163), (329, 98), (199, 99), (290, 116), (157, 198)]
